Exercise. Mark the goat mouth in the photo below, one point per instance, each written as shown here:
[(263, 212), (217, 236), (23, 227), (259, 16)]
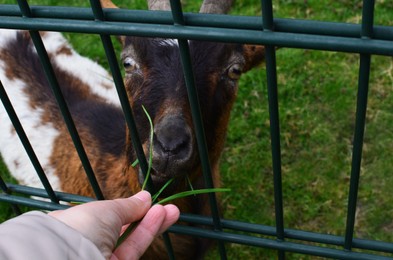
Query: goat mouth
[(159, 180)]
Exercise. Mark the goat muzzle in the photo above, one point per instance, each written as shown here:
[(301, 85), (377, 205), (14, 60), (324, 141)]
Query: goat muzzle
[(173, 150)]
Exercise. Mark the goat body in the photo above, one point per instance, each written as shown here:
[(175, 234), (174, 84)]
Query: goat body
[(91, 97), (153, 79)]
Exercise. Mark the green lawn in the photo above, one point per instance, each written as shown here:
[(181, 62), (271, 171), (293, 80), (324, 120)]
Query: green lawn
[(317, 96)]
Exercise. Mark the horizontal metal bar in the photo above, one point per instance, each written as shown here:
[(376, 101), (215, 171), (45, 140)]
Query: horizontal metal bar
[(274, 244), (223, 236), (39, 192), (292, 40), (289, 233), (204, 20), (195, 219), (42, 205)]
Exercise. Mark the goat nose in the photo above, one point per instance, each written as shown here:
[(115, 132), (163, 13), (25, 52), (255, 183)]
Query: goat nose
[(173, 138)]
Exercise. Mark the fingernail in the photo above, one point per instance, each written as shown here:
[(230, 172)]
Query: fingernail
[(143, 196)]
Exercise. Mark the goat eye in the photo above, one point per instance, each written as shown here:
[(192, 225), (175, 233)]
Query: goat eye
[(129, 64), (235, 71)]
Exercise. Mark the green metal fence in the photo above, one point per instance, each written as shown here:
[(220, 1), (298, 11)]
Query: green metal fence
[(365, 39)]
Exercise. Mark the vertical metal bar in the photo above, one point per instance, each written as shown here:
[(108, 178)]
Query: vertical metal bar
[(117, 78), (361, 109), (267, 15), (168, 246), (26, 144), (198, 124), (3, 185), (51, 77), (97, 10), (271, 74), (116, 74), (177, 14), (113, 64), (367, 18), (24, 8)]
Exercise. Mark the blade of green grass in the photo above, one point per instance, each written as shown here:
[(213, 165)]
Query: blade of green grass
[(150, 148), (161, 190), (192, 192), (179, 195), (189, 183)]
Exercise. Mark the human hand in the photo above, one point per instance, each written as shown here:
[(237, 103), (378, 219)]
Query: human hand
[(102, 222)]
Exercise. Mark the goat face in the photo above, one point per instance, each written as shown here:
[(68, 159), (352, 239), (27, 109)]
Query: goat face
[(155, 80)]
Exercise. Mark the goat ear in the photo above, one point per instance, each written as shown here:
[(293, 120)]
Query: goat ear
[(122, 40), (253, 55)]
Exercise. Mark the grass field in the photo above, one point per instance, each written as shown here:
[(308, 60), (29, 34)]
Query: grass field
[(317, 96)]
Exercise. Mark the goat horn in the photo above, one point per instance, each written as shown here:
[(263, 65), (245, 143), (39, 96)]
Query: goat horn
[(107, 4), (216, 6), (162, 5)]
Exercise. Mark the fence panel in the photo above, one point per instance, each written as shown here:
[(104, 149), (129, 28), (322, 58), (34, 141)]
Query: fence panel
[(366, 39)]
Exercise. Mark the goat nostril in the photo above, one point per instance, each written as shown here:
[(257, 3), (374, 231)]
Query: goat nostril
[(173, 144), (173, 139)]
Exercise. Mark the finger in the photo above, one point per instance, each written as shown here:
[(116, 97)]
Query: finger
[(133, 208), (127, 209), (172, 215), (111, 215), (143, 235)]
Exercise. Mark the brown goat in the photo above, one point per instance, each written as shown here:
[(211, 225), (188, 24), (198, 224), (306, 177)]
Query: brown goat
[(154, 79)]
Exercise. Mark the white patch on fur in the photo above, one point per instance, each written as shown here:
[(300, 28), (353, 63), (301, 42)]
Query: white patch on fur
[(53, 41), (88, 71), (6, 36), (41, 137)]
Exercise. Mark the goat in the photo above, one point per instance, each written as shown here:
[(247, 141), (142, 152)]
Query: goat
[(154, 79)]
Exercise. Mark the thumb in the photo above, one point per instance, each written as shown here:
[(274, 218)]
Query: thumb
[(133, 208)]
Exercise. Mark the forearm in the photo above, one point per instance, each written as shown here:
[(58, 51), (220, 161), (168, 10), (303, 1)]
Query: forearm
[(35, 235)]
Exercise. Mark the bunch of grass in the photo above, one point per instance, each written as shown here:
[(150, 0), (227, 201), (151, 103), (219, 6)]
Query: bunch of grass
[(155, 196)]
